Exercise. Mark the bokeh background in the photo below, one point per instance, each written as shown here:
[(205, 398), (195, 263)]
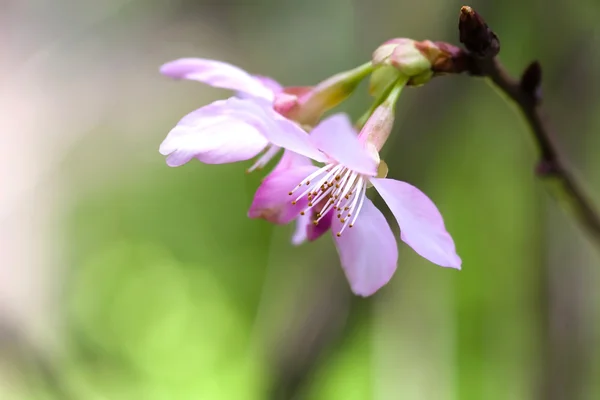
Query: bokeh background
[(121, 278)]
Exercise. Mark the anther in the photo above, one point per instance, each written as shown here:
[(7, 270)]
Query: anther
[(301, 212), (339, 234)]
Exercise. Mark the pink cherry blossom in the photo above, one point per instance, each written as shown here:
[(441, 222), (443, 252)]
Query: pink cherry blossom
[(232, 130), (229, 130), (334, 196)]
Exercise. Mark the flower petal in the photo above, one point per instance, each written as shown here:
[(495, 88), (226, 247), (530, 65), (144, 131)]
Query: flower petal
[(218, 74), (303, 222), (336, 137), (291, 136), (316, 231), (277, 129), (269, 83), (421, 224), (368, 251), (307, 230), (215, 134), (289, 159), (272, 200)]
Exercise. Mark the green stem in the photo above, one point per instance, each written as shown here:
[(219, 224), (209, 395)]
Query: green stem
[(391, 93)]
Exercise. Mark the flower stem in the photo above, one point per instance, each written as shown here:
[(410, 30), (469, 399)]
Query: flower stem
[(390, 94)]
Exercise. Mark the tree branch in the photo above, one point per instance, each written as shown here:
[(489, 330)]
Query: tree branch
[(479, 59), (562, 307)]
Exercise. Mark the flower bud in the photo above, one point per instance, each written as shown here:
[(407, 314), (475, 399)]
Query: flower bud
[(404, 55), (378, 127), (420, 61)]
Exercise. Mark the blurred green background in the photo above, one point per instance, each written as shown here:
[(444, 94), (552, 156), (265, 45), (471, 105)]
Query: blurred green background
[(123, 278)]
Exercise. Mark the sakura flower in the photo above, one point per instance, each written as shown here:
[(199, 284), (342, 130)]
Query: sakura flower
[(233, 130), (334, 196), (224, 131)]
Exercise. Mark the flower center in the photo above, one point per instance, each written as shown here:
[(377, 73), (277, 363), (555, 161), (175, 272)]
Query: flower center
[(333, 188)]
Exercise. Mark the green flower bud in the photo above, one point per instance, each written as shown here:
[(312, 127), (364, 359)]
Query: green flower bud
[(420, 61)]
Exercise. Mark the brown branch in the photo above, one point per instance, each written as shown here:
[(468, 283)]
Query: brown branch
[(563, 335), (479, 59)]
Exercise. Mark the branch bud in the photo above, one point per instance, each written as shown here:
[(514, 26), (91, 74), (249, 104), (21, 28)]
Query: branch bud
[(476, 35), (531, 81)]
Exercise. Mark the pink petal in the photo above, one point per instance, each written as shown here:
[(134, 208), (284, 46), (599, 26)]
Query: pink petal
[(277, 129), (216, 134), (272, 200), (421, 224), (336, 137), (218, 74), (316, 231), (292, 160), (291, 136), (303, 222), (368, 251), (306, 229), (269, 83)]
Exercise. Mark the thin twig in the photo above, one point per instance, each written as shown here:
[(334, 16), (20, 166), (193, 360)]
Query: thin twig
[(563, 366), (479, 59)]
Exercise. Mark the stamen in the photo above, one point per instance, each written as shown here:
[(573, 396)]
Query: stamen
[(340, 189), (350, 181), (311, 176), (311, 188), (356, 210), (357, 202)]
